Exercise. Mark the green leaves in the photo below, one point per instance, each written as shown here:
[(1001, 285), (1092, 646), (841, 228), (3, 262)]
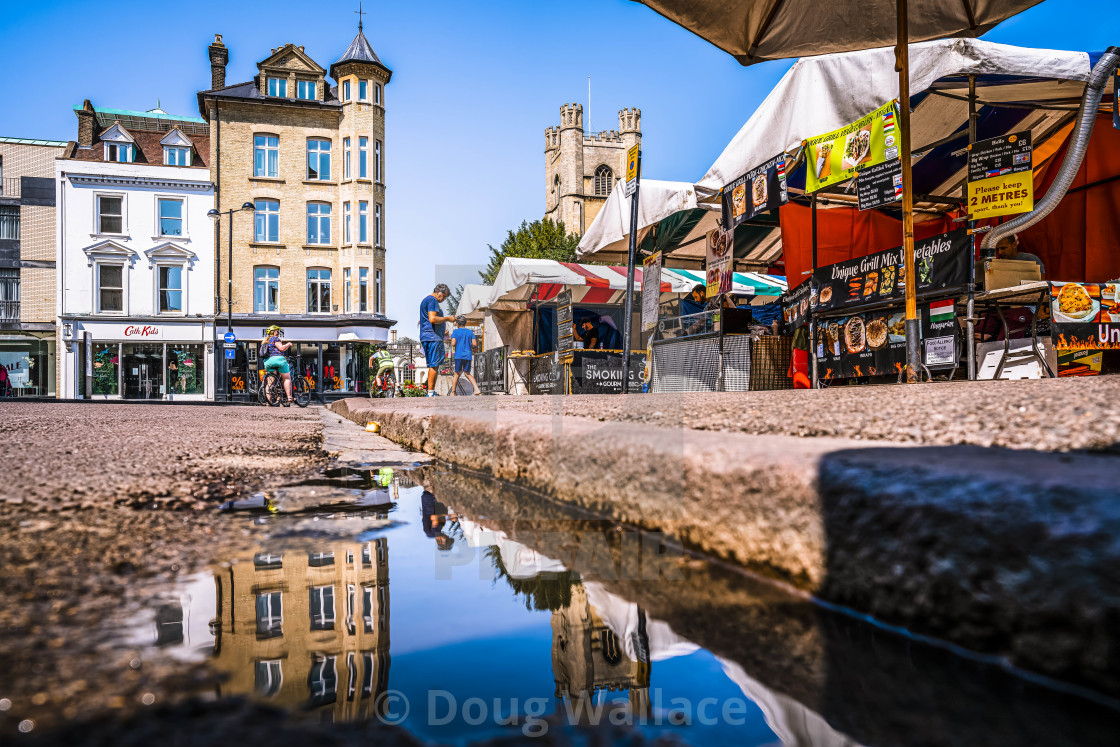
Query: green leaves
[(541, 239)]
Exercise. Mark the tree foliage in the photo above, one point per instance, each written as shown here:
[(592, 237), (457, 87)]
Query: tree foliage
[(541, 239), (453, 300)]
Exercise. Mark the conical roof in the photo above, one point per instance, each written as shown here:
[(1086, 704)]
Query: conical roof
[(359, 50)]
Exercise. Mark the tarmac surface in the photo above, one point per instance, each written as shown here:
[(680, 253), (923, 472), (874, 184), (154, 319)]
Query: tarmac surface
[(1047, 415)]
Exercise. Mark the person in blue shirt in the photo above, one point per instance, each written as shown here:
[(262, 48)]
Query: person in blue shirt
[(463, 338), (431, 333)]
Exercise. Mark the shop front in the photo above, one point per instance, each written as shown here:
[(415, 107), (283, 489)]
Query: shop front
[(28, 360), (332, 355), (140, 359)]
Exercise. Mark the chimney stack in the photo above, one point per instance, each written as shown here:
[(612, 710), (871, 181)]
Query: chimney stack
[(219, 56), (87, 123)]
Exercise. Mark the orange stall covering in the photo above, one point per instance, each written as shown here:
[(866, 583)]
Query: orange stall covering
[(1080, 240)]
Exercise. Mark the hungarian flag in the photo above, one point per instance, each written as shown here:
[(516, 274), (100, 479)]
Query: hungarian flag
[(941, 311)]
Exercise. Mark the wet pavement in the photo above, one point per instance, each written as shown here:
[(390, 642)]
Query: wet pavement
[(373, 599)]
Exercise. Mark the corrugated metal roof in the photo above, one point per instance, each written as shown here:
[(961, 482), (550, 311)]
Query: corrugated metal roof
[(33, 141), (155, 114)]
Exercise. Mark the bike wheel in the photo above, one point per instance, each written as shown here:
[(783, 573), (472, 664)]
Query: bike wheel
[(301, 392), (266, 386), (392, 389)]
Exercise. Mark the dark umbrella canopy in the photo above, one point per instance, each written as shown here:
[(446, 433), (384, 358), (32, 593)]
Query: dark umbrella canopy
[(758, 30)]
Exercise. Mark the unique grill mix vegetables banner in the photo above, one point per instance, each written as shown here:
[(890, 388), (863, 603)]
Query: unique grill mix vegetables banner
[(837, 156), (1085, 316), (721, 250), (490, 370), (758, 191), (795, 305), (940, 262), (1000, 179)]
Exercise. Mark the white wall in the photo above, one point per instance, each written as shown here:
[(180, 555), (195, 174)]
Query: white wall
[(140, 187)]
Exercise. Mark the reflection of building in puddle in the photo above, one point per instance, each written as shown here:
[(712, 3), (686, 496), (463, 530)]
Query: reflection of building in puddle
[(603, 643), (588, 657), (307, 629)]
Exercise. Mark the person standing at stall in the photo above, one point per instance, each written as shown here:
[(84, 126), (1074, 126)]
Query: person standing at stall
[(431, 333), (588, 334)]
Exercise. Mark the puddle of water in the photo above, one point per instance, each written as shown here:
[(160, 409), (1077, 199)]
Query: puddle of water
[(464, 610)]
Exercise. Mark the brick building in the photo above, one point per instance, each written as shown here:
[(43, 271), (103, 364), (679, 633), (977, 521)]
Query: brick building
[(309, 156), (27, 264), (581, 169)]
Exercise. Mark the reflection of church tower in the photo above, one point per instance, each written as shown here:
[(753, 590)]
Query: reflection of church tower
[(307, 629), (587, 656)]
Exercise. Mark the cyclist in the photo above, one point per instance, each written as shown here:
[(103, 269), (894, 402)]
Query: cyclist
[(273, 349), (381, 362)]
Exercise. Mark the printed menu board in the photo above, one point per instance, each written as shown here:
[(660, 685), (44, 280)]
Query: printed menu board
[(1000, 179), (879, 185), (721, 249), (651, 290), (564, 339), (1085, 316), (758, 191), (836, 156), (940, 263), (795, 305)]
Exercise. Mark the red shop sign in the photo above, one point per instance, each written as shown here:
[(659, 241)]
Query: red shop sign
[(145, 331)]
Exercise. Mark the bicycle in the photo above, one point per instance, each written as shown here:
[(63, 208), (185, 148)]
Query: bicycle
[(274, 385), (388, 386)]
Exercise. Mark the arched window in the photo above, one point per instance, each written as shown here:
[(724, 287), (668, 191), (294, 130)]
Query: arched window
[(604, 180)]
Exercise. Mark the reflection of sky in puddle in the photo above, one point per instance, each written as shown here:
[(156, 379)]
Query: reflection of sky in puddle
[(458, 631)]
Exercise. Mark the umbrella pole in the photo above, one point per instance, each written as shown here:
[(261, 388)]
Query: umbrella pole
[(813, 370), (902, 65), (969, 329), (629, 305)]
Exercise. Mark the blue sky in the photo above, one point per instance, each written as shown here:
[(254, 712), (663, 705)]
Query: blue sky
[(474, 87)]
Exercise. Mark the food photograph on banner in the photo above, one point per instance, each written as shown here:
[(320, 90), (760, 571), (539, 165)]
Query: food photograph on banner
[(1085, 325), (760, 190), (721, 250), (838, 155)]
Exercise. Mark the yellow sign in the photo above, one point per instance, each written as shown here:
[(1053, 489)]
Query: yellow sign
[(1001, 195), (632, 163), (838, 155)]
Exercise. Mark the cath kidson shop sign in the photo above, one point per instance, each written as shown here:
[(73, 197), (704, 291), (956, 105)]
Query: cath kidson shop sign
[(141, 331), (176, 332)]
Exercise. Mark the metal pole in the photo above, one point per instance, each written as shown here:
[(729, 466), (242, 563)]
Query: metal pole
[(812, 324), (902, 65), (229, 312), (969, 326), (630, 278)]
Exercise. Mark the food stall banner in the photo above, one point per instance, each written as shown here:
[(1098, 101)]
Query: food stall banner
[(758, 191), (1000, 177), (836, 156), (795, 305), (1085, 316), (720, 252), (490, 370), (601, 373), (651, 294), (871, 344), (941, 263), (564, 336), (547, 375), (879, 185), (1116, 99)]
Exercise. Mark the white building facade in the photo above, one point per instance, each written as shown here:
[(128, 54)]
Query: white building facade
[(135, 265)]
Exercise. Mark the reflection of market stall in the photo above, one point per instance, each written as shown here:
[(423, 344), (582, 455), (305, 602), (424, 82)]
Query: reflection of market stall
[(332, 354)]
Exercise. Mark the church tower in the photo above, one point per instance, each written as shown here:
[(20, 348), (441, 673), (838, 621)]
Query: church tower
[(582, 169), (362, 79)]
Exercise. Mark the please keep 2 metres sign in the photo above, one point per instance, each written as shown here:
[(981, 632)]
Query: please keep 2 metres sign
[(1000, 177)]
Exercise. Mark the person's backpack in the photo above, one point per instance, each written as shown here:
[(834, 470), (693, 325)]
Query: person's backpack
[(263, 351)]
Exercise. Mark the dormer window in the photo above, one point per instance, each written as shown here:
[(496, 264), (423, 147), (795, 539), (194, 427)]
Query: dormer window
[(118, 152), (176, 156), (305, 89), (278, 87), (176, 148)]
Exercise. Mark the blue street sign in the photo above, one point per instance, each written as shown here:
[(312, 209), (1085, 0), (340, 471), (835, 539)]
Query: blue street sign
[(229, 354), (230, 337)]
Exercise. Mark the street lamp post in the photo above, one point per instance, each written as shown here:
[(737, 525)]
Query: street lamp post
[(214, 214)]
